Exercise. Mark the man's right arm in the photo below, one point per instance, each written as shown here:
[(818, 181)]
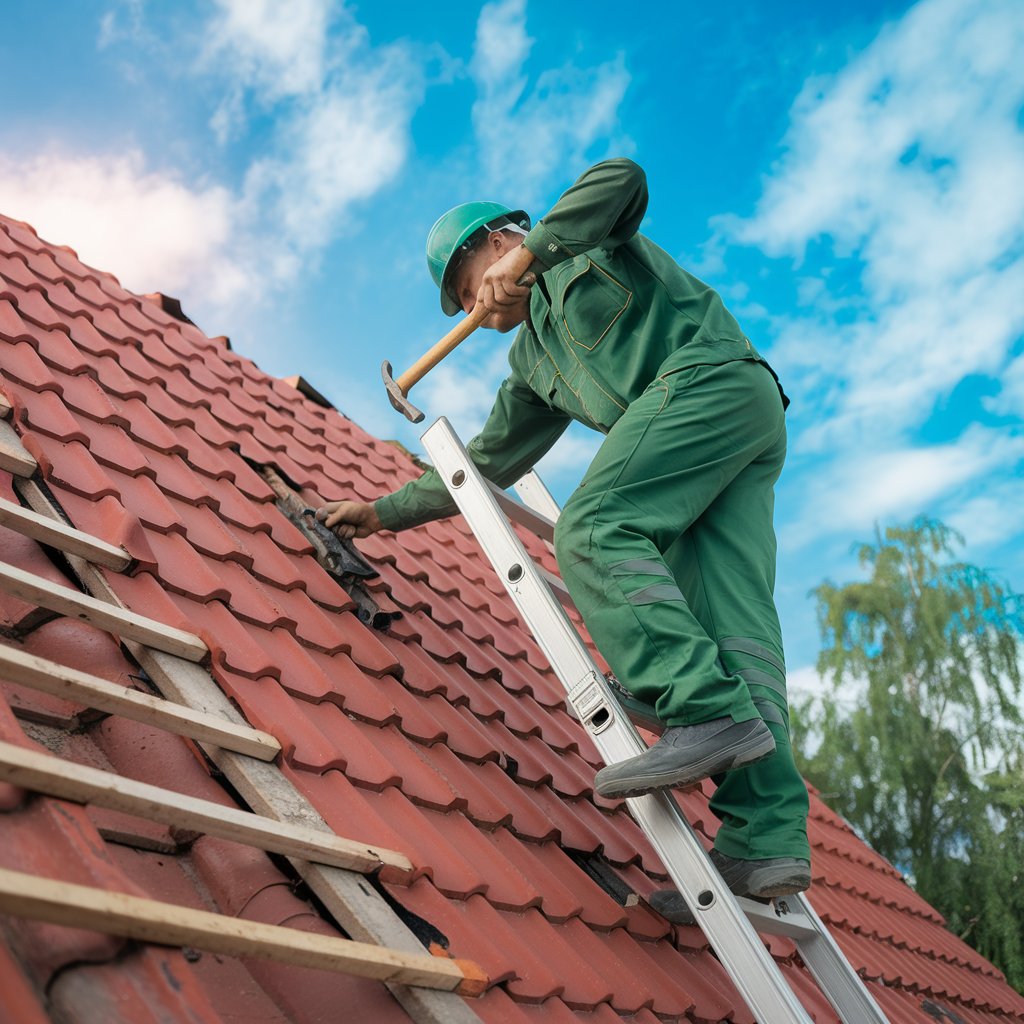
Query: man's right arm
[(519, 431)]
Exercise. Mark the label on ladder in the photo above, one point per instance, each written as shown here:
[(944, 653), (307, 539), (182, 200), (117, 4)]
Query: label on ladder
[(590, 704)]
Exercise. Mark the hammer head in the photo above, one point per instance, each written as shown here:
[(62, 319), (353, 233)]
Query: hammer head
[(397, 397)]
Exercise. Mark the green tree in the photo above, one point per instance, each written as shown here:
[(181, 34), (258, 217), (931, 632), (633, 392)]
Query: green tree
[(916, 740)]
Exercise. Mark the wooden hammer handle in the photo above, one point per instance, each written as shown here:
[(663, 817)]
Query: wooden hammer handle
[(458, 334)]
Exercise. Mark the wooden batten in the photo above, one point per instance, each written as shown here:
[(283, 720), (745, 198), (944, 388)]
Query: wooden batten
[(128, 625), (65, 538), (114, 913), (13, 456), (46, 676), (54, 776)]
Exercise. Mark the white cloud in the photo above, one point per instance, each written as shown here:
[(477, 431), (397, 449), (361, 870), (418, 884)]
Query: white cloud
[(1010, 400), (463, 387), (563, 467), (277, 49), (528, 135), (804, 681), (340, 110), (910, 160), (345, 146), (989, 519), (861, 488), (153, 229), (898, 195)]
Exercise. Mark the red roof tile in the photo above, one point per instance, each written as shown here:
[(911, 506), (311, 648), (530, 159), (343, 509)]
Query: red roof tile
[(446, 738)]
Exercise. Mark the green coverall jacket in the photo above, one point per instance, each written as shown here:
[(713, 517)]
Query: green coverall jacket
[(610, 313)]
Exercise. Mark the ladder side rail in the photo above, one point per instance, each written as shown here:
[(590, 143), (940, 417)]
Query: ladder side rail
[(534, 494), (737, 944), (832, 971)]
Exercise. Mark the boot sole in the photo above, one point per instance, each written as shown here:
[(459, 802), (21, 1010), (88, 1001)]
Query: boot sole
[(798, 880), (739, 756), (773, 882)]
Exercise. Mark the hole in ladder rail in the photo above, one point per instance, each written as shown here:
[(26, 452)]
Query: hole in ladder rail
[(705, 898), (600, 719), (458, 478), (515, 573)]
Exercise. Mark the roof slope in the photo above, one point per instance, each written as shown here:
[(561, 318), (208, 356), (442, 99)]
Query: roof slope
[(446, 737)]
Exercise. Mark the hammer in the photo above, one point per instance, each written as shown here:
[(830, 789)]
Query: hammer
[(398, 390)]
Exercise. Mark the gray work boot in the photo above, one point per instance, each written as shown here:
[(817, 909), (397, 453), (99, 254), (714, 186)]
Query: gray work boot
[(685, 754), (758, 879)]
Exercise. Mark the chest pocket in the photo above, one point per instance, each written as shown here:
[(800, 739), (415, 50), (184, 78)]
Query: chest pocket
[(588, 304)]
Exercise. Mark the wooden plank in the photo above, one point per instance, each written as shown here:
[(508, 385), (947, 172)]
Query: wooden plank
[(63, 537), (356, 906), (70, 684), (124, 623), (54, 776), (13, 456), (146, 920)]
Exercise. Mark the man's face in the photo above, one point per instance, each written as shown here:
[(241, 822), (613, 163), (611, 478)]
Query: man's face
[(466, 281)]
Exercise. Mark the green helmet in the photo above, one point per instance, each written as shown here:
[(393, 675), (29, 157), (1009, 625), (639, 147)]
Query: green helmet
[(451, 233)]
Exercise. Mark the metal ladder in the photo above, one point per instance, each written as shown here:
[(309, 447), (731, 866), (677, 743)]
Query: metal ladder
[(731, 924)]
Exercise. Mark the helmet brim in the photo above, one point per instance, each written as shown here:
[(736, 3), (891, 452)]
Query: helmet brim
[(450, 306)]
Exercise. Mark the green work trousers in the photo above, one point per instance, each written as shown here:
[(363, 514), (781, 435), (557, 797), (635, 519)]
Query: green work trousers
[(668, 550)]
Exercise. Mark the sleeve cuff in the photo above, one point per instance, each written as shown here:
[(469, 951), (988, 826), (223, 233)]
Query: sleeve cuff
[(548, 248), (389, 516)]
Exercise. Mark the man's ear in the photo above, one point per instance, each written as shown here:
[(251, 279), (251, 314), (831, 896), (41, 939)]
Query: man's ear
[(498, 242)]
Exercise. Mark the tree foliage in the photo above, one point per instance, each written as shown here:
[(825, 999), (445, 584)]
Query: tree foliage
[(916, 738)]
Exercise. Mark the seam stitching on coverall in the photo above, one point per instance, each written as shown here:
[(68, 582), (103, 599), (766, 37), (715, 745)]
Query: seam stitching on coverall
[(591, 265), (597, 512)]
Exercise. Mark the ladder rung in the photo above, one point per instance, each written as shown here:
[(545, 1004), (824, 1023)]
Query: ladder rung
[(558, 587), (518, 513), (80, 687), (65, 538), (36, 590), (13, 457), (44, 773), (114, 913), (769, 920)]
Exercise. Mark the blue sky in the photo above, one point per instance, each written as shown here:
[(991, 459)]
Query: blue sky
[(850, 176)]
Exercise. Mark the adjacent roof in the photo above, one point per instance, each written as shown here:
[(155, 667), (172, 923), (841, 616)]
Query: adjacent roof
[(446, 736)]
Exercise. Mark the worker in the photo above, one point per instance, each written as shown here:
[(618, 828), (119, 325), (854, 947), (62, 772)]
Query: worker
[(667, 546)]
